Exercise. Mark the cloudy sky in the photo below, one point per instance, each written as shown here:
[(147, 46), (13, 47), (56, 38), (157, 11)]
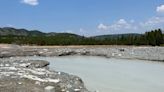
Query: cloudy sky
[(84, 17)]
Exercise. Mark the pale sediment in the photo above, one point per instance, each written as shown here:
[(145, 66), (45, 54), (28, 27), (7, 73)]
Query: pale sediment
[(34, 76), (125, 52), (17, 75)]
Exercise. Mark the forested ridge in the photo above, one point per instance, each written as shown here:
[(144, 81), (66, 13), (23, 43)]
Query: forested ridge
[(35, 37)]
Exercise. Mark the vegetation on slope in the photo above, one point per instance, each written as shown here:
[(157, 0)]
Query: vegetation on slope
[(23, 36)]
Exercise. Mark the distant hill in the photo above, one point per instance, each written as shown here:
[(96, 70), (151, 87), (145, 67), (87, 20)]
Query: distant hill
[(34, 37), (35, 33), (63, 34), (102, 37), (23, 32), (19, 32), (12, 31)]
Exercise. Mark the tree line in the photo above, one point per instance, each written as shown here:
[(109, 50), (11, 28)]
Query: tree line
[(153, 38)]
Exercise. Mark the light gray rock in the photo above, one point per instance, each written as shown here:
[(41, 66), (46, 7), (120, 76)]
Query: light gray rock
[(126, 52), (17, 75), (49, 89), (37, 63)]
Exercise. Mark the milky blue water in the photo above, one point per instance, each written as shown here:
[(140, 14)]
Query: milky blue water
[(112, 75)]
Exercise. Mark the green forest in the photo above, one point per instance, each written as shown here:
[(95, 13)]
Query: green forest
[(153, 38)]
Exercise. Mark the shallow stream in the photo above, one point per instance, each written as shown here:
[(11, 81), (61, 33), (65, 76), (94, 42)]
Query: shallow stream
[(112, 75)]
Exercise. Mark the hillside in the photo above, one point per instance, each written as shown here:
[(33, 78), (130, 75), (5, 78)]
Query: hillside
[(12, 31), (9, 31), (102, 37), (24, 32), (35, 37), (19, 32)]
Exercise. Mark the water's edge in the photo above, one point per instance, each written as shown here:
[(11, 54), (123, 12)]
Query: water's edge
[(124, 53), (110, 74)]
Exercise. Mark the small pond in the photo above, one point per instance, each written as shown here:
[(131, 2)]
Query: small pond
[(112, 75)]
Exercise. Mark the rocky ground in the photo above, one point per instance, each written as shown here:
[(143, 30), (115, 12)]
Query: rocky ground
[(125, 52), (34, 76)]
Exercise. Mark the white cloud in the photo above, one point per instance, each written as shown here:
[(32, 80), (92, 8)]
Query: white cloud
[(160, 9), (68, 31), (30, 2), (155, 21), (125, 26), (152, 23), (10, 25), (82, 30), (102, 26), (122, 21), (132, 21), (121, 24)]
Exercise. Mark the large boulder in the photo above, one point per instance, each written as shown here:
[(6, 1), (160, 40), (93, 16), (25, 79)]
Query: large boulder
[(37, 64)]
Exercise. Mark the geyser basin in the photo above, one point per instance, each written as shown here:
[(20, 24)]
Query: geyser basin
[(112, 75)]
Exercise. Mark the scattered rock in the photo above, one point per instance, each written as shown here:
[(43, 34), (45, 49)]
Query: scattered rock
[(126, 52), (49, 89), (37, 63), (122, 50), (34, 76)]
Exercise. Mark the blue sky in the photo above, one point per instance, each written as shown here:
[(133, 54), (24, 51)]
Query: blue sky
[(84, 17)]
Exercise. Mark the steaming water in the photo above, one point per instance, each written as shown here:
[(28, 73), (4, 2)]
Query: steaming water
[(112, 75)]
